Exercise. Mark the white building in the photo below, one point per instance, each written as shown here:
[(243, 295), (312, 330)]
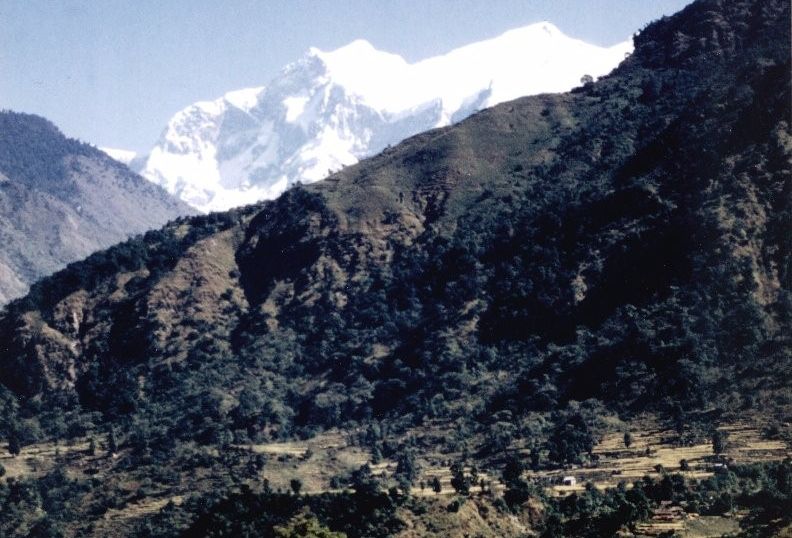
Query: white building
[(569, 481)]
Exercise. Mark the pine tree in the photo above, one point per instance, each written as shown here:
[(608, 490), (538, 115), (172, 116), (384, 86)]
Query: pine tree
[(459, 481), (296, 485), (406, 467), (14, 446), (112, 444), (719, 440)]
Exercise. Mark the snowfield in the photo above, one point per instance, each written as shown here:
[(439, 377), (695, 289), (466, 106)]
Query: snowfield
[(328, 110)]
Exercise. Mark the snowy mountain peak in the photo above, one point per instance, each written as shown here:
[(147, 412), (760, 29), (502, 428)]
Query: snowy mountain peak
[(330, 109), (244, 99), (543, 28), (123, 156), (359, 49)]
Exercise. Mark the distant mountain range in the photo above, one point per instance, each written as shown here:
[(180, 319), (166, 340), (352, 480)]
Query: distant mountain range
[(61, 200), (329, 109)]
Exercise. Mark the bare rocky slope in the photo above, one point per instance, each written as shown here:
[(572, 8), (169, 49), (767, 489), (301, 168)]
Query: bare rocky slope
[(61, 200), (526, 276)]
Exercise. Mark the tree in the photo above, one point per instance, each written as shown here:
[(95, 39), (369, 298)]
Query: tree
[(112, 444), (719, 441), (586, 79), (91, 447), (535, 458), (437, 487), (517, 489), (364, 482), (305, 525), (14, 446), (376, 455), (628, 439), (500, 436), (296, 485), (474, 477), (570, 439), (512, 471), (45, 528), (459, 481), (406, 469)]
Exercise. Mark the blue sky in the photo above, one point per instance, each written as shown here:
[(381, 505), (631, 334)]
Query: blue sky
[(111, 72)]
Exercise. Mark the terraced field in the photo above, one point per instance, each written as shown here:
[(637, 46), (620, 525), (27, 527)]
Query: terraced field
[(652, 447), (330, 454), (36, 460), (318, 460)]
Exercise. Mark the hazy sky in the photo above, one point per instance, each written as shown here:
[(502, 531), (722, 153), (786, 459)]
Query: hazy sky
[(112, 72)]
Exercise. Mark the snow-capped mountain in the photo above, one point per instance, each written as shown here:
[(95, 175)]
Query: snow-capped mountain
[(330, 109), (124, 156)]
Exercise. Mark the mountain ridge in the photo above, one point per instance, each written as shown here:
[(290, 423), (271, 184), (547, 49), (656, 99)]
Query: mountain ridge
[(61, 199), (425, 192), (329, 109)]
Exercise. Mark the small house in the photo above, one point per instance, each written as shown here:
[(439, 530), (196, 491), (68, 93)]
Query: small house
[(569, 481)]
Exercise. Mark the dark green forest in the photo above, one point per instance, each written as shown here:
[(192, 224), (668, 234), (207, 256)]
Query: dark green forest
[(32, 150)]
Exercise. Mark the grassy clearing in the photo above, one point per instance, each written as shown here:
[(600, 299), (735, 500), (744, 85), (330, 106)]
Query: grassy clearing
[(36, 460), (314, 462), (711, 526)]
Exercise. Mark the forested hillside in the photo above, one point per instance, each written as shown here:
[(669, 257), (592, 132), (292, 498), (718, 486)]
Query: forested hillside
[(61, 200), (521, 280)]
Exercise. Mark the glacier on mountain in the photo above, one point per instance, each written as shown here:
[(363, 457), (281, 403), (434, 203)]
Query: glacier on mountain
[(329, 109), (123, 156)]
